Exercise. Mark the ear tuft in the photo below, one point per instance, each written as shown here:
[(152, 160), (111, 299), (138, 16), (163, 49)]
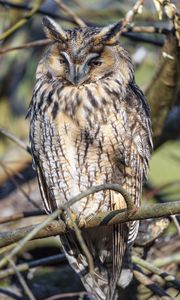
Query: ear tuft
[(53, 31), (108, 35)]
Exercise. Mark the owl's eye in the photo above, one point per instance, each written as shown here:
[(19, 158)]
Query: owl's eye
[(95, 63), (62, 61)]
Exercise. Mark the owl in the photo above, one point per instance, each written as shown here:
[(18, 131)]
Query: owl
[(90, 125)]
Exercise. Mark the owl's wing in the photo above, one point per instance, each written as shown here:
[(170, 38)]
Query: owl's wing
[(44, 190), (136, 159), (42, 139)]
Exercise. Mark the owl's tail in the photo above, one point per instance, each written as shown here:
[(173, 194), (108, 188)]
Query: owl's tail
[(107, 246)]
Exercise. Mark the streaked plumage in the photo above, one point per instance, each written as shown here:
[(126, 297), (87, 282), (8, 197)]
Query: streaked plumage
[(90, 125)]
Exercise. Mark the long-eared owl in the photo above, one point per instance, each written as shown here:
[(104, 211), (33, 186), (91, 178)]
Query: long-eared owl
[(90, 125)]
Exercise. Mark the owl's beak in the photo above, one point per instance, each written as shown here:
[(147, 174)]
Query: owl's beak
[(76, 74)]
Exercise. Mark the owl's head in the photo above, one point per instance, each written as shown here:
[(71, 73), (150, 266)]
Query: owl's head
[(84, 55)]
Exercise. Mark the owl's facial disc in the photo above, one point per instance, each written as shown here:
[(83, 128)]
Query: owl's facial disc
[(77, 71), (85, 55)]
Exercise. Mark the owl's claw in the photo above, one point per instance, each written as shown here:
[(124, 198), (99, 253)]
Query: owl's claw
[(71, 219), (82, 222)]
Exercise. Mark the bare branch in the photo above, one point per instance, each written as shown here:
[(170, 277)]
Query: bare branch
[(22, 281), (41, 11), (19, 187), (37, 43), (148, 283), (21, 215), (131, 13), (70, 13), (164, 86), (176, 223), (23, 21), (48, 228), (147, 29), (15, 139), (67, 295), (167, 260), (32, 264), (81, 242), (171, 12), (150, 267), (131, 29)]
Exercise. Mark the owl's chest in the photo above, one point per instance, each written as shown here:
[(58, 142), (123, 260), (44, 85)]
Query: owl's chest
[(93, 132)]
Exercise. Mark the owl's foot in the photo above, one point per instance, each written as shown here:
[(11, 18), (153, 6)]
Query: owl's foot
[(81, 222), (71, 219)]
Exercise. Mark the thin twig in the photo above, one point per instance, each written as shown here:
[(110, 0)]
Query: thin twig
[(21, 280), (66, 295), (40, 11), (82, 243), (150, 267), (54, 259), (176, 223), (70, 13), (37, 43), (155, 191), (32, 232), (9, 294), (21, 22), (21, 215), (18, 186), (148, 29), (5, 249), (15, 139), (131, 13)]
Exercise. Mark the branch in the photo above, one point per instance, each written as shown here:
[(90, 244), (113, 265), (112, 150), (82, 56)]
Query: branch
[(21, 22), (131, 13), (56, 213), (32, 264), (163, 87), (67, 295), (171, 12), (21, 215), (18, 186), (22, 281), (82, 243), (70, 14), (102, 219), (148, 283), (167, 260), (39, 10), (129, 32), (15, 139), (153, 269), (148, 29), (37, 43)]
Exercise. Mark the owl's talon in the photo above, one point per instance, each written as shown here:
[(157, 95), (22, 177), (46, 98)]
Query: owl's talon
[(71, 219), (82, 222)]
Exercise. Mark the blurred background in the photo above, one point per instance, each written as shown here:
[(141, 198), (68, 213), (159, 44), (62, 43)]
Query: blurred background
[(156, 59)]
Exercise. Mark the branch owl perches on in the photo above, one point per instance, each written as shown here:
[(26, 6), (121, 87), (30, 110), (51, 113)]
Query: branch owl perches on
[(90, 125)]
